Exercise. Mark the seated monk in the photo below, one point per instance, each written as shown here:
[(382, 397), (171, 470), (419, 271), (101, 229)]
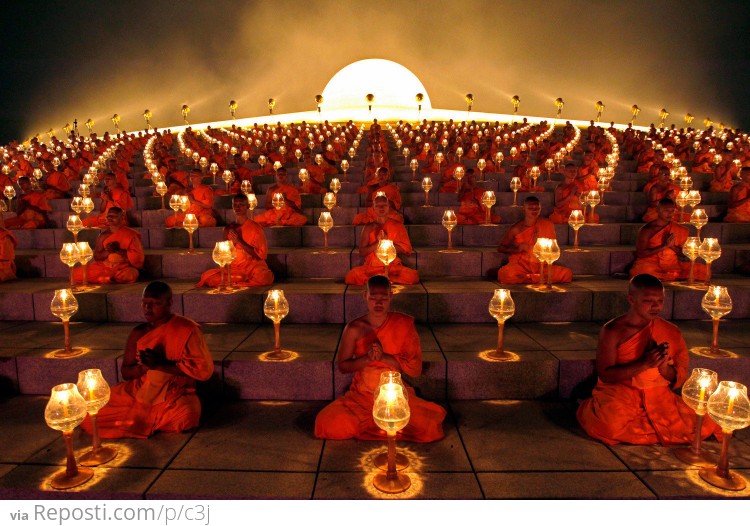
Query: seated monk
[(201, 199), (7, 253), (654, 172), (472, 211), (382, 228), (120, 168), (378, 342), (703, 159), (658, 248), (176, 180), (738, 205), (641, 360), (56, 185), (381, 185), (31, 208), (249, 267), (290, 214), (112, 196), (566, 197), (163, 359), (663, 189), (118, 255), (724, 174), (519, 241)]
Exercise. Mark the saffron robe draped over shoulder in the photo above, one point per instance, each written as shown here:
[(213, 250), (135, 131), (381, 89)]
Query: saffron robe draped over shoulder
[(372, 266), (665, 265), (351, 415), (159, 401), (524, 267), (246, 270), (288, 215), (741, 213), (205, 216), (644, 410), (116, 269), (119, 198)]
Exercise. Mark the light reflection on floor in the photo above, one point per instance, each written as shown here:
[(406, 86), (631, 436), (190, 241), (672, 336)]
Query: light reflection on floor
[(415, 466), (124, 452), (487, 356)]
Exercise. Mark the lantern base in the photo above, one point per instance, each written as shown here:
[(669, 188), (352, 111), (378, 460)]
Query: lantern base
[(103, 455), (325, 252), (426, 206), (732, 482), (87, 288), (576, 250), (277, 356), (64, 481), (502, 355), (65, 353), (710, 352), (488, 224), (450, 251), (686, 455), (381, 461), (395, 484), (542, 287)]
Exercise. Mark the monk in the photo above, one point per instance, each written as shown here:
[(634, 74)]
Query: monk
[(32, 208), (658, 248), (56, 184), (249, 267), (641, 360), (519, 241), (566, 196), (290, 214), (177, 180), (738, 205), (163, 359), (380, 185), (112, 196), (7, 253), (472, 211), (118, 255), (664, 188), (378, 342), (201, 199), (382, 228)]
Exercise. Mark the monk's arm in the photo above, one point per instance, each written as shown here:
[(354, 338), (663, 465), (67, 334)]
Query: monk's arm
[(606, 359), (348, 363), (507, 246), (366, 249), (131, 368), (641, 247)]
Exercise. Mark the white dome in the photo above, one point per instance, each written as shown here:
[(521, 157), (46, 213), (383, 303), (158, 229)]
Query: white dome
[(392, 84)]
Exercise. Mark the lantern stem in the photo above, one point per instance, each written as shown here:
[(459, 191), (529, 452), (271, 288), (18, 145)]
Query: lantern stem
[(71, 468), (95, 440), (66, 332), (72, 281), (392, 474), (325, 241), (277, 335), (715, 339), (575, 240), (450, 239), (221, 274), (708, 273), (500, 331), (696, 447), (691, 278), (229, 276), (722, 467), (162, 203), (487, 216), (549, 276), (515, 197), (426, 198), (191, 250), (85, 275)]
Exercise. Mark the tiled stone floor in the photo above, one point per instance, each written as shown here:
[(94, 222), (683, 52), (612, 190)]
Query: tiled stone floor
[(494, 449)]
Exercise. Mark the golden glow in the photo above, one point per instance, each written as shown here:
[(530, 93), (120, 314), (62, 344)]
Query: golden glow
[(266, 356), (487, 356), (392, 85), (366, 463)]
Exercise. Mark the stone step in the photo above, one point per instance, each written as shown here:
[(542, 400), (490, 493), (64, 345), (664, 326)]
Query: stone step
[(550, 359), (173, 261), (434, 300)]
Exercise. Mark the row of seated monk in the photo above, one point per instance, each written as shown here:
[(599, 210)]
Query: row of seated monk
[(119, 255), (641, 363), (32, 206)]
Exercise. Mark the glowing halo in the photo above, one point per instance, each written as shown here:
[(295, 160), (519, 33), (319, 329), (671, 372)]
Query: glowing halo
[(393, 85)]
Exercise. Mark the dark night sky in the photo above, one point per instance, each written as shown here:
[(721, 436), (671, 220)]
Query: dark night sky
[(94, 59)]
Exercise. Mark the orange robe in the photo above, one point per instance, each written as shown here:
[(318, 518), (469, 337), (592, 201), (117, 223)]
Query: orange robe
[(246, 270), (7, 255), (372, 266), (159, 401), (116, 269), (31, 218), (203, 194), (665, 265), (561, 214), (471, 211), (671, 191), (119, 198), (741, 213), (58, 186), (351, 415), (644, 410), (524, 267), (288, 214)]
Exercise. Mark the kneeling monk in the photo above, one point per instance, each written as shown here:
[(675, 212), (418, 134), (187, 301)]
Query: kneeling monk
[(641, 361), (249, 268), (118, 255), (378, 342), (382, 228), (163, 359), (519, 241)]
